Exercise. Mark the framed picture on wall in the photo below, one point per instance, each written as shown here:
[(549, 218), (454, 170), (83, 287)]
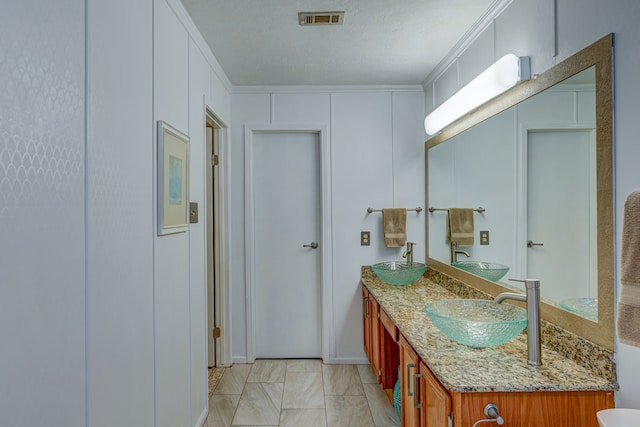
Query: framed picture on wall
[(173, 172)]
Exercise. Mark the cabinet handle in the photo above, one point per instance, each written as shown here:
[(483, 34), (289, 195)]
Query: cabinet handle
[(492, 412), (416, 392), (408, 378)]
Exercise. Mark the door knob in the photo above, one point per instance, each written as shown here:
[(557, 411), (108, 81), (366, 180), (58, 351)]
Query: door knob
[(531, 244), (312, 245)]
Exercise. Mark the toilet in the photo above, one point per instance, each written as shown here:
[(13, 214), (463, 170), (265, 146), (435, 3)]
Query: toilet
[(619, 417)]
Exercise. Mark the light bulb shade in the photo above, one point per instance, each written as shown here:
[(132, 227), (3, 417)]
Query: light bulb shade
[(502, 75)]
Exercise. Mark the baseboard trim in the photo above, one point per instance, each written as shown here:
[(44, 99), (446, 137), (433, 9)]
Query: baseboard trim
[(347, 361), (203, 418), (329, 361)]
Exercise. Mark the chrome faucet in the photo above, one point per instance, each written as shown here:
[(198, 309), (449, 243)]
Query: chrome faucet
[(532, 298), (455, 252), (408, 254)]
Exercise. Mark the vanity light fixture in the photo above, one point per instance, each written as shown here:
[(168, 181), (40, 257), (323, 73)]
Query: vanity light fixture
[(502, 75)]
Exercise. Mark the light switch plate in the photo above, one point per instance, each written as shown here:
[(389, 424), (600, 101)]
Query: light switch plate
[(365, 238)]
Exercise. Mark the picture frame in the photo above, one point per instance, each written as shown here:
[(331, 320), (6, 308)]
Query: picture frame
[(173, 174)]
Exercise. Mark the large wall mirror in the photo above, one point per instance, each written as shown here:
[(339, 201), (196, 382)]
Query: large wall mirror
[(539, 161)]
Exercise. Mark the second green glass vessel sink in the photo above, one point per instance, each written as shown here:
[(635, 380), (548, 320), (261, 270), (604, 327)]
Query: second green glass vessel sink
[(477, 323), (487, 270)]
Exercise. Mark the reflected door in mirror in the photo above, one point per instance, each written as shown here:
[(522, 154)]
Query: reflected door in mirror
[(561, 212)]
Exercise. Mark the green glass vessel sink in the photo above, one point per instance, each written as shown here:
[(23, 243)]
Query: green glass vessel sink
[(477, 323), (487, 270), (399, 272), (585, 307)]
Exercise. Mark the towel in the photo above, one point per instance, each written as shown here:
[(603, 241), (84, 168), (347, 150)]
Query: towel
[(460, 226), (394, 224), (629, 302)]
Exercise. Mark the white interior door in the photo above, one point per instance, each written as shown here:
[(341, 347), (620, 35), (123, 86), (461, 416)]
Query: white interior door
[(286, 215), (560, 203)]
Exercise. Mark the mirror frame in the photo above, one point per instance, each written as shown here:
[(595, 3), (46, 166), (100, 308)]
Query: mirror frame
[(600, 55)]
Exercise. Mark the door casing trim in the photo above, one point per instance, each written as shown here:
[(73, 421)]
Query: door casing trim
[(221, 224), (326, 247)]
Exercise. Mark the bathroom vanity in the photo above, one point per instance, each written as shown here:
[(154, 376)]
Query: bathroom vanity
[(444, 383)]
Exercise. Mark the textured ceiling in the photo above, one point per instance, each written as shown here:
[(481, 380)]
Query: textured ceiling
[(382, 42)]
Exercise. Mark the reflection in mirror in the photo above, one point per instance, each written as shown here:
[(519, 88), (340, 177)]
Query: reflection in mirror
[(546, 179), (540, 164)]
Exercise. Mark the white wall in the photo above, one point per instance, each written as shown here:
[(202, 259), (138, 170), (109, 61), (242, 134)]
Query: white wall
[(377, 156), (42, 211), (186, 80), (199, 97), (172, 332), (526, 28), (119, 303), (102, 322)]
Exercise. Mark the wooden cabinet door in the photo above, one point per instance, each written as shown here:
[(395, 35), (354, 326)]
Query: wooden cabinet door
[(366, 323), (375, 338), (408, 373), (436, 402), (371, 331)]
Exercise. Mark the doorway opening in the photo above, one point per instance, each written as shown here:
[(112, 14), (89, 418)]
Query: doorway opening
[(216, 272)]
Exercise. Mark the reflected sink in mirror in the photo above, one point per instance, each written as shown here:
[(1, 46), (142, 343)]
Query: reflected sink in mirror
[(477, 323), (487, 270), (585, 307), (399, 272)]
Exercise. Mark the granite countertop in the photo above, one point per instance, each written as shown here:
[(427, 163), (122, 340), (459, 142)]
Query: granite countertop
[(465, 369)]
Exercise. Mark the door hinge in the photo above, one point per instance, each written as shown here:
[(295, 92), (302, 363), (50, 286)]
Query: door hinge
[(214, 160), (216, 332)]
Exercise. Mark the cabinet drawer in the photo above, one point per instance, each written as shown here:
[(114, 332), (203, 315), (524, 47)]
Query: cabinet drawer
[(388, 325), (537, 409)]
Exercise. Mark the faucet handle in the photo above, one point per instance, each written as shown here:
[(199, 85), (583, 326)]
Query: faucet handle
[(408, 254), (528, 283)]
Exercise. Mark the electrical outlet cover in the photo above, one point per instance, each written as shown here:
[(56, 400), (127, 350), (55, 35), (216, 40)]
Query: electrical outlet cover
[(365, 238)]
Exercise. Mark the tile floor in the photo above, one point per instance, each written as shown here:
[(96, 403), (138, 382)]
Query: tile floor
[(300, 393)]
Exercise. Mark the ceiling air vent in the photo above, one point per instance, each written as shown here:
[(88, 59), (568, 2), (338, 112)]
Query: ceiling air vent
[(320, 18)]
